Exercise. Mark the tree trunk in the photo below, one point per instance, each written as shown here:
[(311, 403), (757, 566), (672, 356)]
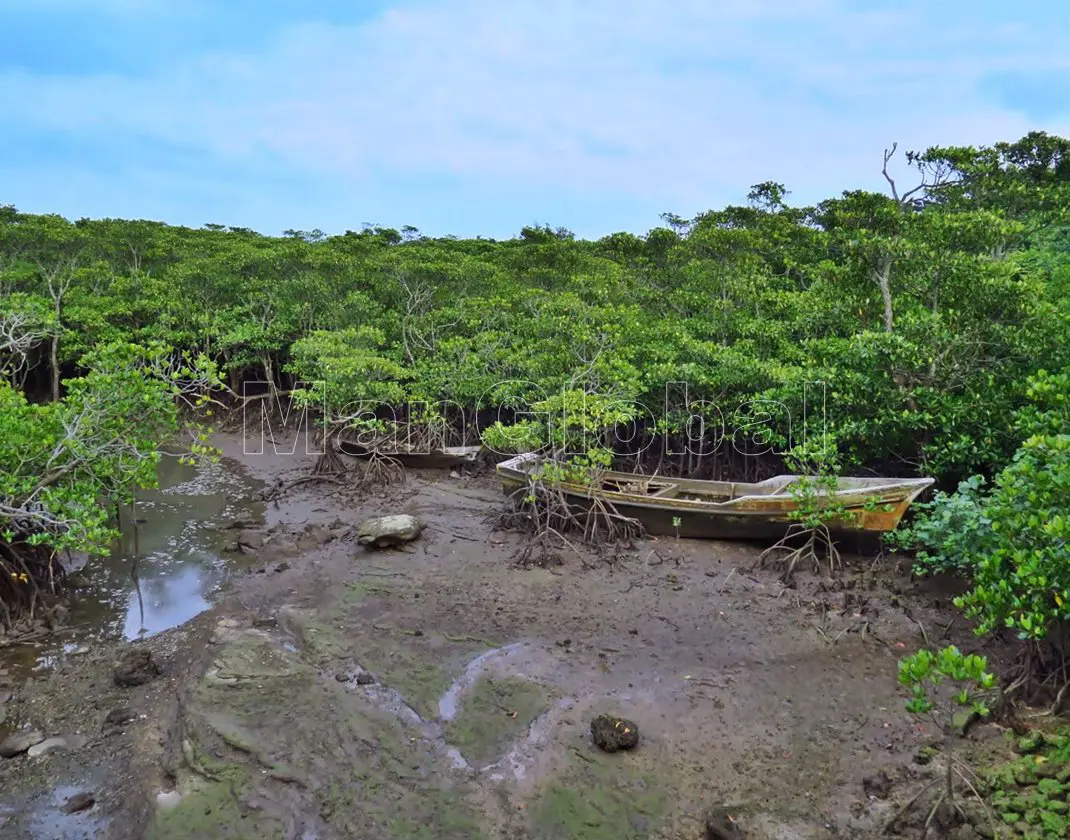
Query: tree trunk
[(883, 275), (53, 360)]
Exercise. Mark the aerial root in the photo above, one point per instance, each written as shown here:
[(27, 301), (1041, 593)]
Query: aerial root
[(818, 550), (26, 572), (382, 470), (544, 513), (946, 796)]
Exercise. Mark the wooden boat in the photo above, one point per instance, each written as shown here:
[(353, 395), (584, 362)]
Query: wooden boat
[(417, 457), (727, 510)]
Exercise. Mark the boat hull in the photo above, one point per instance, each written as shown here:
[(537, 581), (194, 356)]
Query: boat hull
[(434, 459), (676, 509)]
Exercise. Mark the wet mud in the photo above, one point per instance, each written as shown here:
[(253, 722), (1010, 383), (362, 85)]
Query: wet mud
[(436, 691)]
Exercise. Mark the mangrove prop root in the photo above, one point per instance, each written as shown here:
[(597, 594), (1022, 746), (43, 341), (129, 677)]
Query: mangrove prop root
[(817, 550), (382, 470), (27, 572), (543, 512), (1039, 677)]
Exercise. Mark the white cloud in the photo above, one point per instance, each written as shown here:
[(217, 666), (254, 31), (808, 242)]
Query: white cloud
[(530, 93)]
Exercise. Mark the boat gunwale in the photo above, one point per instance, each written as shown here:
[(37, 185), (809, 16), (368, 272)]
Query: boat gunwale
[(899, 491)]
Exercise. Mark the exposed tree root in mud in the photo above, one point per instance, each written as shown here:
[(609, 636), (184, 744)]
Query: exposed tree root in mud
[(1039, 678), (26, 573), (382, 471), (378, 470), (543, 512), (817, 550), (946, 807)]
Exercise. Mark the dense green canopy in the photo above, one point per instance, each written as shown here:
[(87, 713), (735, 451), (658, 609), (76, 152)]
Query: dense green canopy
[(918, 315)]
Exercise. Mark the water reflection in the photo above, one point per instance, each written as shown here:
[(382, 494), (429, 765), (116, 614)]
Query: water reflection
[(164, 573)]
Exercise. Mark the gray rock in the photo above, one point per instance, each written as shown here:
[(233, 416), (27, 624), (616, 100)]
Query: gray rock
[(385, 531), (18, 742), (72, 743)]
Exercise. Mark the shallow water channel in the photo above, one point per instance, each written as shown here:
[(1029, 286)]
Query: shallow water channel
[(162, 571)]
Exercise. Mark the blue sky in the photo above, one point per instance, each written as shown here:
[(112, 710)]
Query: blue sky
[(480, 116)]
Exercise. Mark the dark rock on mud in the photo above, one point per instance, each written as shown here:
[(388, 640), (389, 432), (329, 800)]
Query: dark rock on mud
[(613, 733), (878, 785), (389, 531), (364, 678), (17, 743), (79, 802), (720, 825), (136, 667), (119, 716)]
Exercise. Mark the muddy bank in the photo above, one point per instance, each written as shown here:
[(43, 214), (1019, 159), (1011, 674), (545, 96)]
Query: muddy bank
[(436, 691)]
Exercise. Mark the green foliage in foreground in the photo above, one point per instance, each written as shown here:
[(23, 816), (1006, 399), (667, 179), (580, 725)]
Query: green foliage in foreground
[(927, 675), (64, 465), (1031, 795), (1014, 541)]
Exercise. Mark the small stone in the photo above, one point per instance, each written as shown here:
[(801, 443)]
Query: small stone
[(135, 668), (454, 474), (364, 678), (78, 803), (720, 825), (613, 733), (342, 677), (168, 799), (878, 785), (47, 746), (119, 716), (387, 531), (282, 567), (19, 742)]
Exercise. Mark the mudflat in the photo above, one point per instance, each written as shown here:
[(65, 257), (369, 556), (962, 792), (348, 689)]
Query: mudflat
[(436, 690)]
